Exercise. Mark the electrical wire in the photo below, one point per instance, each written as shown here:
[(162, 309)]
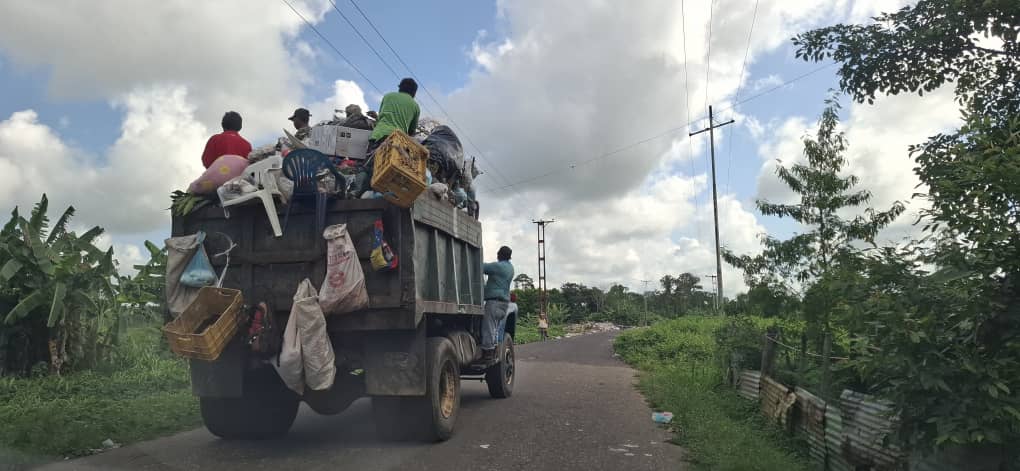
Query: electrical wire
[(335, 49), (687, 107), (670, 131), (740, 85), (439, 105)]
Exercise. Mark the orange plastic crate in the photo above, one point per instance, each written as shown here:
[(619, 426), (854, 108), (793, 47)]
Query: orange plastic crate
[(399, 171), (210, 342)]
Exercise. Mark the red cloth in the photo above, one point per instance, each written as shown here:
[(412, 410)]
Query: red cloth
[(225, 143)]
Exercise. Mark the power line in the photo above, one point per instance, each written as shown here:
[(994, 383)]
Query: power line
[(364, 39), (708, 53), (667, 132), (687, 106), (433, 98), (740, 85), (337, 51)]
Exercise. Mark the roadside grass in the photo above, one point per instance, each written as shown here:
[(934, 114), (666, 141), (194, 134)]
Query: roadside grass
[(527, 331), (144, 393), (680, 374)]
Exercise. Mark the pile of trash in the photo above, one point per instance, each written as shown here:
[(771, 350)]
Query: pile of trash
[(584, 328), (343, 169)]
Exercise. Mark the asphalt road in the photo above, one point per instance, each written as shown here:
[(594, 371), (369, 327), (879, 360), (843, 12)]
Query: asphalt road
[(574, 408)]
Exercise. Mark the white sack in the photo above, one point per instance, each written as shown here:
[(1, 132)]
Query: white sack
[(343, 290)]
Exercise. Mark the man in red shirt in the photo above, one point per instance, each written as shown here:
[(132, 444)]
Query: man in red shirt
[(229, 142)]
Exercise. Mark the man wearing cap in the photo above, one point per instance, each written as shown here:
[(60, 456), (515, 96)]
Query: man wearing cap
[(300, 119), (497, 300)]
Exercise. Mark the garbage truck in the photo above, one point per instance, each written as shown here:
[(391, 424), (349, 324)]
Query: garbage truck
[(408, 351)]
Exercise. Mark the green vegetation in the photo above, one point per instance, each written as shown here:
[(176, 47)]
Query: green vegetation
[(681, 373), (527, 331), (142, 394), (932, 324)]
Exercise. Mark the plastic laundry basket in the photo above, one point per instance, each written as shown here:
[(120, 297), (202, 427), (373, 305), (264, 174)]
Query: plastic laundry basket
[(220, 303)]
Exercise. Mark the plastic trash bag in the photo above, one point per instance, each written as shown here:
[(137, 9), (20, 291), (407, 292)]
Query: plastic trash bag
[(446, 154), (343, 290), (199, 271), (306, 357), (460, 197), (221, 170), (235, 188), (180, 251), (439, 190), (382, 257)]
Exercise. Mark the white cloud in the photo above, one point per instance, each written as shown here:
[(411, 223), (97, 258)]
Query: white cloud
[(230, 55), (126, 190)]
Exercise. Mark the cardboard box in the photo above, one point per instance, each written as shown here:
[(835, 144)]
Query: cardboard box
[(340, 141)]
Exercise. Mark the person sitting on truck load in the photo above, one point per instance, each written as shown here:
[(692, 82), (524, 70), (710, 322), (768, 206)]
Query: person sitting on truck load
[(355, 119), (228, 142), (497, 300), (300, 119), (397, 111)]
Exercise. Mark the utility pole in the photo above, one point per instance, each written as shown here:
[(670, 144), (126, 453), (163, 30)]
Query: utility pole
[(543, 297), (644, 294), (715, 200), (715, 287)]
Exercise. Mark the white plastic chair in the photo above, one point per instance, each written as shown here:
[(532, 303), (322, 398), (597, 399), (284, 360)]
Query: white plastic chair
[(263, 174)]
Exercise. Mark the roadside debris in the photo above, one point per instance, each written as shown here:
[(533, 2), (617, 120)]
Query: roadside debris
[(662, 417), (484, 447), (108, 444)]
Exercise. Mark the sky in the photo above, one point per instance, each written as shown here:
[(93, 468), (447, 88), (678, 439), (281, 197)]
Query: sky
[(577, 112)]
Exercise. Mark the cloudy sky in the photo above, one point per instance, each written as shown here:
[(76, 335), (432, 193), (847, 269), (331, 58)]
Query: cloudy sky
[(578, 113)]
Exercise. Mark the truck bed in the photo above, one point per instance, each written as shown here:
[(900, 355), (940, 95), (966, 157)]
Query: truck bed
[(439, 250)]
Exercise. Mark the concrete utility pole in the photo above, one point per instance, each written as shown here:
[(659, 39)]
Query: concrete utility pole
[(543, 298), (644, 294), (715, 200)]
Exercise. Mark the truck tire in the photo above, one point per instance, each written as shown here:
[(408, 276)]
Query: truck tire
[(432, 417), (265, 410), (500, 377), (443, 388)]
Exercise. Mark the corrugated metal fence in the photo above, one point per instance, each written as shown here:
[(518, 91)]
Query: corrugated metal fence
[(852, 434)]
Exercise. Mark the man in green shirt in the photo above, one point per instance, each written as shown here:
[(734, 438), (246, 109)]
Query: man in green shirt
[(497, 299), (397, 111)]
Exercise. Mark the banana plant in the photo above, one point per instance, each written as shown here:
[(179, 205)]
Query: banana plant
[(53, 274)]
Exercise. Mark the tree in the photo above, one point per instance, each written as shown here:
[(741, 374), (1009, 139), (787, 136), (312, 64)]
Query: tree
[(144, 292), (523, 281), (830, 239), (684, 287), (943, 346), (54, 282), (922, 47)]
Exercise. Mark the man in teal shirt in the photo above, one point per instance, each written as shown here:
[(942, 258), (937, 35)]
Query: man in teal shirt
[(497, 299)]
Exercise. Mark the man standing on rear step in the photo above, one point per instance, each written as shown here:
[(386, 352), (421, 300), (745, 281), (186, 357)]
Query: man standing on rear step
[(497, 300)]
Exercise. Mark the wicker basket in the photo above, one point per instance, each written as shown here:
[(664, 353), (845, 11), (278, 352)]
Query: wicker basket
[(210, 342), (399, 172)]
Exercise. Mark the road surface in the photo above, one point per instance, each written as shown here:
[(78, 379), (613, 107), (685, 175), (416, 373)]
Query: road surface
[(574, 408)]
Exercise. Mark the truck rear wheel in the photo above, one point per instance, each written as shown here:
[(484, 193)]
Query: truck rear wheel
[(431, 417), (443, 388), (500, 377), (266, 409)]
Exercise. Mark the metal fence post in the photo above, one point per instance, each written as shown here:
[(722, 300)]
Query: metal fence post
[(826, 350)]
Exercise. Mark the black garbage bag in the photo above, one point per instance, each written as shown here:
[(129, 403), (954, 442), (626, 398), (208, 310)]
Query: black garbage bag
[(446, 154)]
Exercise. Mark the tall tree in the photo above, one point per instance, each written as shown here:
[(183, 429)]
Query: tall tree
[(523, 281), (944, 346), (824, 192)]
